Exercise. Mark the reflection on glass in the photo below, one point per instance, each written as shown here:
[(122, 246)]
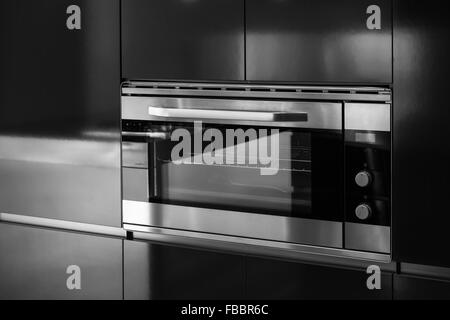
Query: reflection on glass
[(235, 179)]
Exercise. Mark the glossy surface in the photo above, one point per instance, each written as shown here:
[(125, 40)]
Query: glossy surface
[(163, 272), (368, 117), (370, 238), (273, 227), (419, 288), (421, 131), (254, 113), (60, 111), (180, 39), (34, 264), (241, 245), (323, 41), (155, 272), (269, 279)]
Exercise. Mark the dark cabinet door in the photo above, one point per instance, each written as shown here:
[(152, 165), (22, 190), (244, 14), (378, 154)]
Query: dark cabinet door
[(421, 173), (417, 288), (60, 110), (185, 40), (163, 272), (45, 264), (347, 41), (270, 279)]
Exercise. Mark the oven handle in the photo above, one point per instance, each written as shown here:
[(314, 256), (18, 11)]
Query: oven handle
[(147, 135), (208, 114)]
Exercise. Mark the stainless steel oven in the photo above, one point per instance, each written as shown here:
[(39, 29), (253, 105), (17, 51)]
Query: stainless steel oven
[(295, 169)]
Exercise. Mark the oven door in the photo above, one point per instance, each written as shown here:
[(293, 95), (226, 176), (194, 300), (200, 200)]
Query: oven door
[(268, 170)]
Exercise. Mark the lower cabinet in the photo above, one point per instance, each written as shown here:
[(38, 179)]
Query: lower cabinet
[(271, 279), (418, 288), (163, 272), (38, 263)]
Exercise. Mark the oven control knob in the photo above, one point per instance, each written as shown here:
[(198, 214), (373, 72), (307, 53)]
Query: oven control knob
[(363, 212), (363, 179)]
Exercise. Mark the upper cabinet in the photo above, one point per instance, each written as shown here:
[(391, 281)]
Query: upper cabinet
[(321, 41), (183, 39)]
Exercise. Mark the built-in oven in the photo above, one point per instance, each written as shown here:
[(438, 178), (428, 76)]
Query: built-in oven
[(293, 168)]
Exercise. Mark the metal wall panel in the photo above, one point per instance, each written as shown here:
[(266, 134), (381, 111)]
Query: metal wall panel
[(60, 111), (158, 272), (35, 264), (186, 40)]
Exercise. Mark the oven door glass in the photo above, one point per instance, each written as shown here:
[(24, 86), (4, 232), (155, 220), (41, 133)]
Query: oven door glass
[(282, 172)]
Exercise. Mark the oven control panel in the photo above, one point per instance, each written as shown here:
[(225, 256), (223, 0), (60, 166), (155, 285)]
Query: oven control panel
[(368, 177)]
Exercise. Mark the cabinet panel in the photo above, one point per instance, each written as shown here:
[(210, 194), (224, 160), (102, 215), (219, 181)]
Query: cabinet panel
[(421, 117), (42, 264), (60, 110), (163, 272), (319, 41), (271, 279), (185, 40), (416, 288)]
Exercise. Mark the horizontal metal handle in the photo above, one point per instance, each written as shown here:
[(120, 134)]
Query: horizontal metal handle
[(62, 225), (148, 135), (208, 114)]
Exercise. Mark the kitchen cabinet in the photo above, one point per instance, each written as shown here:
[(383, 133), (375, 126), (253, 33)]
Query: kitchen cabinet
[(153, 271), (159, 272), (60, 110), (46, 264), (323, 41), (420, 129), (419, 288), (183, 40), (275, 280)]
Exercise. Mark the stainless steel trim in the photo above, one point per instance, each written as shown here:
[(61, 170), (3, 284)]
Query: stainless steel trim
[(240, 245), (228, 86), (148, 135), (135, 155), (368, 117), (233, 223), (367, 94), (321, 115), (368, 238), (135, 184), (203, 114), (63, 225)]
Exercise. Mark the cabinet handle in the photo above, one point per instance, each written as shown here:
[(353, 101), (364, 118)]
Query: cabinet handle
[(147, 135), (227, 115)]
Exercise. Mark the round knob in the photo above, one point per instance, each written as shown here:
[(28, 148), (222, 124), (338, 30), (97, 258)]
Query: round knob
[(363, 179), (363, 211)]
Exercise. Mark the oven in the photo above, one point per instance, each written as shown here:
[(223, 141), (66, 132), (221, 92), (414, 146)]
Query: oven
[(292, 169)]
